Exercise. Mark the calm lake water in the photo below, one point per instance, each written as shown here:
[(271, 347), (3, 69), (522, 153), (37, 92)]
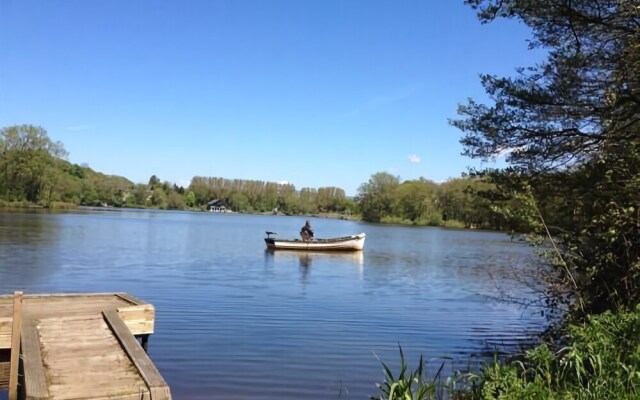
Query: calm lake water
[(236, 322)]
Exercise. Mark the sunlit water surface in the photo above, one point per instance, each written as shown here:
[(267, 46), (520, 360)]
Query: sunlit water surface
[(236, 322)]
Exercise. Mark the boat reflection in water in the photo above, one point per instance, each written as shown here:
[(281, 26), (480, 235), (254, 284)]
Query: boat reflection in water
[(319, 259)]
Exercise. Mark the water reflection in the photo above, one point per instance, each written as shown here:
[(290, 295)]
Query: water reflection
[(307, 259), (29, 249)]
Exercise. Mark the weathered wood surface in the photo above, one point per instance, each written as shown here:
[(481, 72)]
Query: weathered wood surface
[(34, 382), (158, 388), (78, 366), (4, 375), (16, 326), (81, 346), (138, 315)]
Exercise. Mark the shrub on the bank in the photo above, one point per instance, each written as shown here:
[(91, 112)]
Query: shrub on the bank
[(601, 361)]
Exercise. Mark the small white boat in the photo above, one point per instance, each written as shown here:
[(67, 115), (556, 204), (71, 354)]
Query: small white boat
[(345, 243)]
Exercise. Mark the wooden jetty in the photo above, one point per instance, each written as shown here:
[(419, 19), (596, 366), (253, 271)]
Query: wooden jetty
[(78, 346)]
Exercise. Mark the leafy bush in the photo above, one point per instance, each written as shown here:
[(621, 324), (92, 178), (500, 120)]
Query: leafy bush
[(601, 361)]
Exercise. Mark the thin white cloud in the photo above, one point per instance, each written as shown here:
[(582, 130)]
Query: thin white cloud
[(79, 127), (414, 158)]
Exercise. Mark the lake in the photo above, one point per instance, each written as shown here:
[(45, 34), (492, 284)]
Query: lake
[(234, 321)]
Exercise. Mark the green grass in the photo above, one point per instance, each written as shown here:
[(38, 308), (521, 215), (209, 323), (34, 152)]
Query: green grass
[(600, 360), (414, 384)]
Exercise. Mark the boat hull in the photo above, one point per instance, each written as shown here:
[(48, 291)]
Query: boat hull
[(345, 243)]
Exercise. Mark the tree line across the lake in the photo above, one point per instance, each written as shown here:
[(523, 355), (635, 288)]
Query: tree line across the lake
[(34, 171)]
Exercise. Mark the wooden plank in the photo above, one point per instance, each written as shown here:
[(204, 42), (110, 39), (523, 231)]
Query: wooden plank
[(69, 305), (6, 312), (140, 319), (130, 299), (81, 394), (5, 332), (70, 319), (84, 360), (157, 386), (36, 295), (57, 299), (15, 345), (140, 316), (142, 311), (62, 301), (4, 375), (98, 390), (91, 361), (35, 383), (140, 328)]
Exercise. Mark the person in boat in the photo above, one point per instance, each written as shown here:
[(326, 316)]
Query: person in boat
[(306, 233)]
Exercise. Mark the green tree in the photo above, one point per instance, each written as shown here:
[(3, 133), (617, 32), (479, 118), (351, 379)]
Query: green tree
[(571, 125), (291, 202), (68, 186), (376, 198), (89, 196), (308, 198), (270, 198), (200, 188), (239, 202), (26, 154), (418, 200), (130, 200), (153, 182), (288, 200), (350, 207), (159, 198), (175, 201), (141, 193), (330, 199), (190, 198)]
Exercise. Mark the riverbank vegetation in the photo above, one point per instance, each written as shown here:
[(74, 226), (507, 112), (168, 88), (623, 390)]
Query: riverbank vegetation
[(569, 127), (599, 360)]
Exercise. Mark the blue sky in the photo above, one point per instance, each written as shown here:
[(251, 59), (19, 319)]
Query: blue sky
[(316, 93)]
